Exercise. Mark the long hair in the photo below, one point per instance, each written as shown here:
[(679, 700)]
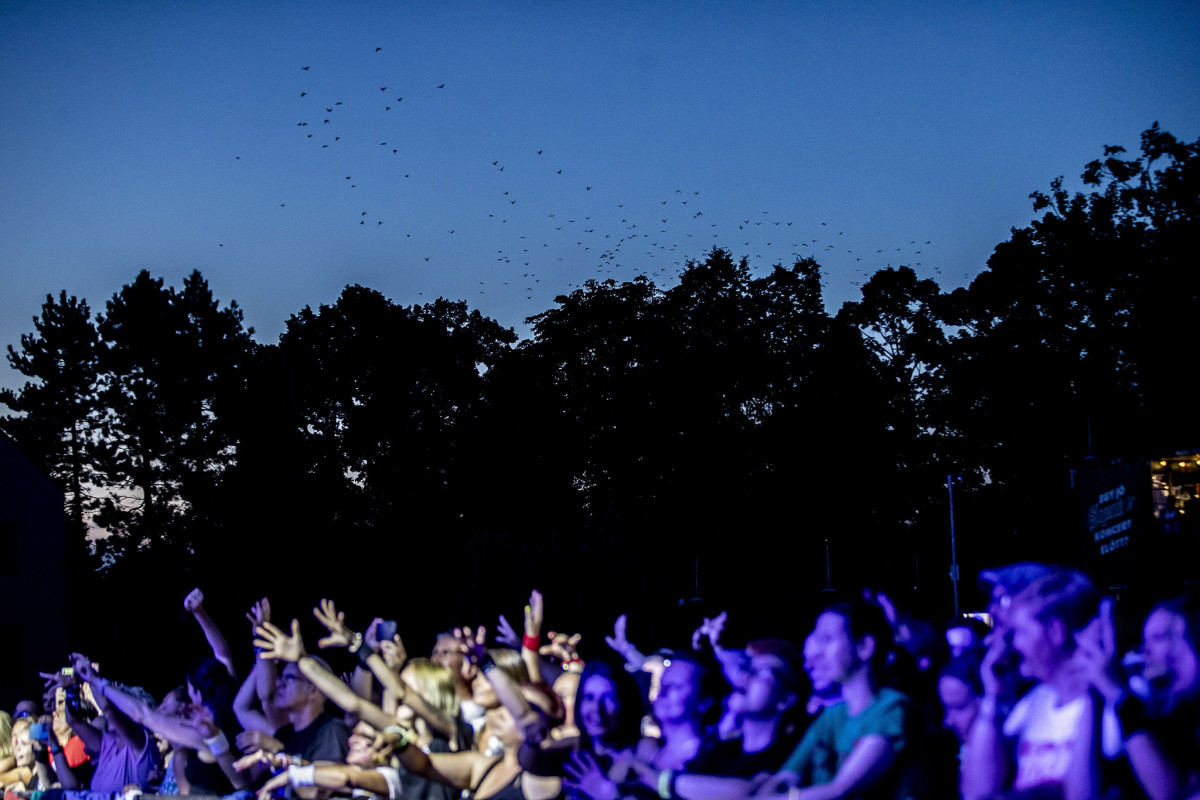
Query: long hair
[(210, 678), (631, 705), (863, 619)]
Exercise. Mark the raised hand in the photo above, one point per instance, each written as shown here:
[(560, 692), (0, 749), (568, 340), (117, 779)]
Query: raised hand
[(193, 601), (393, 653), (274, 643), (371, 637), (58, 720), (562, 647), (1095, 653), (505, 634), (534, 614), (622, 646), (57, 678), (335, 622), (584, 776), (83, 667), (997, 647), (710, 629), (471, 643), (259, 613)]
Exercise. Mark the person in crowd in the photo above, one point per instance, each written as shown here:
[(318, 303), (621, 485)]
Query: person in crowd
[(367, 771), (609, 709), (1160, 730), (194, 605), (447, 653), (483, 775), (965, 635), (960, 691), (124, 752), (27, 773), (1044, 727), (68, 756), (201, 756), (860, 747)]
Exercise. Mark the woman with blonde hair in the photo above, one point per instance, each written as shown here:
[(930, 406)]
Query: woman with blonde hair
[(27, 773)]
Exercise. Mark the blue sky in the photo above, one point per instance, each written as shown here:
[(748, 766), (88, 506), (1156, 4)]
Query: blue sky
[(503, 153)]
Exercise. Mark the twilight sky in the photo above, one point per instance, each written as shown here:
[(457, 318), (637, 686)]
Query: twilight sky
[(504, 152)]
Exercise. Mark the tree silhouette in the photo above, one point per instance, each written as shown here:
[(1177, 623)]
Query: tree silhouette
[(59, 408), (173, 362)]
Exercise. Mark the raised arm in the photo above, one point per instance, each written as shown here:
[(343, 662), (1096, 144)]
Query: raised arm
[(506, 689), (245, 704), (200, 720), (985, 767), (264, 674), (386, 665), (143, 714), (276, 644), (118, 722), (194, 603), (634, 660)]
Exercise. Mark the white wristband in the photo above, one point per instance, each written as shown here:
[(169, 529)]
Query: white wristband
[(302, 776), (217, 745)]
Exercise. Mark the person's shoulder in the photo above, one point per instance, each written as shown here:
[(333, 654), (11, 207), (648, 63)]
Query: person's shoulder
[(1030, 705), (888, 698), (329, 725)]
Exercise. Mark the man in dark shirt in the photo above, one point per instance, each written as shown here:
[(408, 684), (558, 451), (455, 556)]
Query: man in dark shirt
[(310, 733)]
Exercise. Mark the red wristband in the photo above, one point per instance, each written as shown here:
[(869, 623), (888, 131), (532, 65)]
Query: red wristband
[(530, 642)]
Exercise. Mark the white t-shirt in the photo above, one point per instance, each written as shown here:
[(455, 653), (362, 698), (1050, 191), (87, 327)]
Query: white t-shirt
[(1047, 734)]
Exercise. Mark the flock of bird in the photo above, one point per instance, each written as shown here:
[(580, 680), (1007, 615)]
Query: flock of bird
[(546, 221)]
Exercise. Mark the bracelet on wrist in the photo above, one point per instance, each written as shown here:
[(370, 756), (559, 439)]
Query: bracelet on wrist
[(217, 745), (666, 784), (398, 731), (356, 643), (486, 662), (530, 642), (302, 776)]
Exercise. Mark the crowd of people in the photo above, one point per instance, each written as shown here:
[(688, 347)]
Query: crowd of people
[(1037, 697)]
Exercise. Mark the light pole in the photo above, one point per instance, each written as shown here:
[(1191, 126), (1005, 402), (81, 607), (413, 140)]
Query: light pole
[(828, 576)]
